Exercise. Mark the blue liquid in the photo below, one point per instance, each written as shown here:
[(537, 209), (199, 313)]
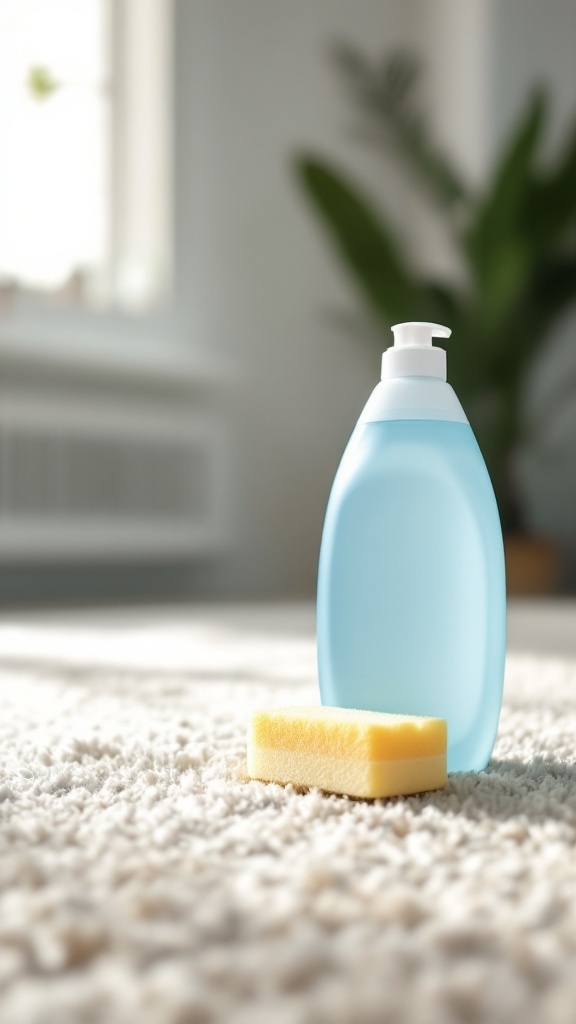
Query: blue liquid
[(411, 587)]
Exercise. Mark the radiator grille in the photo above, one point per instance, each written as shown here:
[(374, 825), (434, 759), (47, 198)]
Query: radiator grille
[(56, 474), (85, 480)]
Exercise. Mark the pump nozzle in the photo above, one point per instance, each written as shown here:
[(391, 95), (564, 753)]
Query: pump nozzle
[(413, 354)]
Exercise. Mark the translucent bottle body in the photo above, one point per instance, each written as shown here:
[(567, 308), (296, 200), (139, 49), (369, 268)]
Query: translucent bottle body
[(411, 592)]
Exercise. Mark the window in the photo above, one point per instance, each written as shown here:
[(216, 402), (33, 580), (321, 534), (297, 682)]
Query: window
[(85, 150)]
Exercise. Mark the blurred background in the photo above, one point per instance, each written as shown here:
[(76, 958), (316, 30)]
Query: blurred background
[(198, 200)]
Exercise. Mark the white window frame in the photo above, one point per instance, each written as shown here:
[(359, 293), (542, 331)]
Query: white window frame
[(37, 331)]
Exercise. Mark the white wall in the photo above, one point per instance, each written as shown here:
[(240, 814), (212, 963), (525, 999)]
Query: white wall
[(534, 42), (262, 282)]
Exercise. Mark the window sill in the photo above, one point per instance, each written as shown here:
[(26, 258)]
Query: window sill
[(167, 365)]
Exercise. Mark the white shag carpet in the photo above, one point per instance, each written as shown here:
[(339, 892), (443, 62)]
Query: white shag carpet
[(142, 879)]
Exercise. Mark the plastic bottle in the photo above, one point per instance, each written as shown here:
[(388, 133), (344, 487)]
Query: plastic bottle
[(411, 614)]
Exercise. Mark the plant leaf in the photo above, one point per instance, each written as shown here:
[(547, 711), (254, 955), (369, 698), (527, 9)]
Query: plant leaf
[(363, 241), (552, 291), (387, 96), (497, 219), (551, 202)]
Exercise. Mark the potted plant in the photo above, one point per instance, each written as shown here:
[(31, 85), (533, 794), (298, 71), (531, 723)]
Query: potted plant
[(516, 240)]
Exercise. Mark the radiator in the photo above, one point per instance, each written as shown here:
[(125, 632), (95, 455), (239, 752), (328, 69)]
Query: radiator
[(107, 477)]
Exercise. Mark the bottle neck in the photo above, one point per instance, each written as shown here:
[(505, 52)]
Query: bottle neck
[(413, 398), (413, 361)]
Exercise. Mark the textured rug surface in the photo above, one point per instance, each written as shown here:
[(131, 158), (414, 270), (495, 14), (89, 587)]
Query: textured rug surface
[(143, 879)]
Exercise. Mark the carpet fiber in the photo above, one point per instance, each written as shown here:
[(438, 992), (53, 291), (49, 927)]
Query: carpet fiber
[(143, 879)]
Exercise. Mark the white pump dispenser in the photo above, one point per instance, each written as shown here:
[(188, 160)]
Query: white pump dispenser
[(413, 385), (413, 354)]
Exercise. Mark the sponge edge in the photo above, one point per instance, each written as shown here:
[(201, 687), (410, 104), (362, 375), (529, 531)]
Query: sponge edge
[(359, 753)]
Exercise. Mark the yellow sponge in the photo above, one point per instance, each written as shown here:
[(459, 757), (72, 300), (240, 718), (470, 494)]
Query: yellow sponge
[(361, 753)]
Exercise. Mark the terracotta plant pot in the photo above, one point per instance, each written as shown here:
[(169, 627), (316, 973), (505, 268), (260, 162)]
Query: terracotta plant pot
[(532, 566)]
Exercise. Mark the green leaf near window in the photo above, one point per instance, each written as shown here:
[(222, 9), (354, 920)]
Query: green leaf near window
[(41, 82)]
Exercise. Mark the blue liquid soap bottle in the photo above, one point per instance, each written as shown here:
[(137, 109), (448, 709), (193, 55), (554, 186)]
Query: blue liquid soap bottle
[(411, 613)]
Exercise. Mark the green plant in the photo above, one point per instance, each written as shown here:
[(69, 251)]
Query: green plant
[(516, 238), (41, 82)]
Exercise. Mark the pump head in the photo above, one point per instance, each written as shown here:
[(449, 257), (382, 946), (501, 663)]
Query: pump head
[(412, 354)]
